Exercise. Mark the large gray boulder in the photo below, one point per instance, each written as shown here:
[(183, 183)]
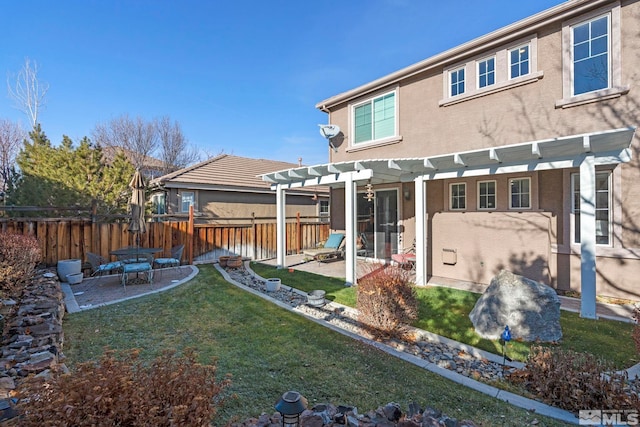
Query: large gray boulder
[(531, 309)]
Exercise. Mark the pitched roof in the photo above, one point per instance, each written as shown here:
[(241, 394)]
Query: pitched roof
[(227, 171)]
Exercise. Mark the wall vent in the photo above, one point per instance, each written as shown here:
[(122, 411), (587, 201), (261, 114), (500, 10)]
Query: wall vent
[(449, 256)]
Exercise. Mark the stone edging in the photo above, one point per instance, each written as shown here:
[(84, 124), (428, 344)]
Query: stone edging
[(511, 398)]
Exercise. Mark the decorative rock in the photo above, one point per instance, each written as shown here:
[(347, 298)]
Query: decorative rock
[(34, 336), (531, 309), (392, 411)]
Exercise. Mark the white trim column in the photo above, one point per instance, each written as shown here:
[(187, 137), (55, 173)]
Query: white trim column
[(281, 226), (588, 238), (421, 230), (351, 231)]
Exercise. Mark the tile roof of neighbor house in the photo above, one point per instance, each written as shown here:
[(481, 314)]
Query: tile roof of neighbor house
[(226, 171)]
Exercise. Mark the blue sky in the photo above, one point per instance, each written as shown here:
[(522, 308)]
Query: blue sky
[(241, 76)]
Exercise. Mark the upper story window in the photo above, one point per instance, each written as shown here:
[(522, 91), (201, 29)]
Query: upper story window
[(486, 72), (512, 65), (519, 61), (590, 55), (520, 193), (187, 198), (456, 82), (375, 118), (591, 58), (486, 195), (458, 193)]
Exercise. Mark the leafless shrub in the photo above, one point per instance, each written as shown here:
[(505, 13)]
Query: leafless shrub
[(171, 391)]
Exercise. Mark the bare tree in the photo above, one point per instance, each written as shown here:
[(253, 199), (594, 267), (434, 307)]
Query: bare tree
[(136, 137), (27, 91), (11, 137), (175, 152)]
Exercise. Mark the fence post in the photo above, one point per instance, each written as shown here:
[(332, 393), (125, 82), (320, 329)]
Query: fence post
[(190, 235), (298, 234), (254, 246), (95, 244)]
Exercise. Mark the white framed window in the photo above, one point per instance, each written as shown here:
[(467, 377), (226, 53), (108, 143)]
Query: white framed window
[(374, 119), (519, 61), (591, 58), (323, 207), (158, 201), (603, 207), (456, 82), (512, 65), (590, 55), (458, 196), (486, 72), (520, 193), (486, 194), (187, 199)]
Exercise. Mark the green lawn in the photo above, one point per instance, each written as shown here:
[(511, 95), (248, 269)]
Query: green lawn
[(445, 311), (269, 350)]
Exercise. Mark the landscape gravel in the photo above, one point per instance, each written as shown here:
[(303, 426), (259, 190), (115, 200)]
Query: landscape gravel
[(444, 355)]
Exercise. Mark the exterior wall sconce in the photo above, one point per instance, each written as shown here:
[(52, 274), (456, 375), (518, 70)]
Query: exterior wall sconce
[(407, 195), (290, 406)]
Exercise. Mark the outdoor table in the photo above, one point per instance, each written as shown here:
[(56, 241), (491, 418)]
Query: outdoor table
[(135, 265), (130, 252)]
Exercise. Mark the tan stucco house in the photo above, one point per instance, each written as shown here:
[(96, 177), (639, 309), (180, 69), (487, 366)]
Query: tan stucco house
[(515, 150), (227, 188)]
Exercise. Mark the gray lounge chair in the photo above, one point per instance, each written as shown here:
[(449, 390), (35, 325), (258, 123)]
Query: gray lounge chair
[(332, 248)]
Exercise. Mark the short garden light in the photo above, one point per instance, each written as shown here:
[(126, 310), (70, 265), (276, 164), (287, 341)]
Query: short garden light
[(505, 337), (290, 406)]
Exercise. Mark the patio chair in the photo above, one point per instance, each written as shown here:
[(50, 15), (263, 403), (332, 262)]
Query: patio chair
[(100, 266), (331, 249), (138, 267), (173, 261)]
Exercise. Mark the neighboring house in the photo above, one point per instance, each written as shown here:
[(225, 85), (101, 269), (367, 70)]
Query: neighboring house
[(228, 187), (516, 150), (152, 167)]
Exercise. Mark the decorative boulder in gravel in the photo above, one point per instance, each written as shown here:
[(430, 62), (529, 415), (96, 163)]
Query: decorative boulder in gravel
[(531, 309)]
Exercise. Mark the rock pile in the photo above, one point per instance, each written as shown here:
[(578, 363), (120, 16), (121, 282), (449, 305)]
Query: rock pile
[(33, 336), (385, 416)]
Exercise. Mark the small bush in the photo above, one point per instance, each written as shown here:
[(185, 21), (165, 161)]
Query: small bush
[(387, 299), (171, 391), (574, 381), (19, 256)]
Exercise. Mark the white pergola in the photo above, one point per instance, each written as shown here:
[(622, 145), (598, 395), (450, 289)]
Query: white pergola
[(585, 151)]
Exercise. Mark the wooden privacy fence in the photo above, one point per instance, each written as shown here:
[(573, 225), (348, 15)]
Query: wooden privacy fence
[(64, 238)]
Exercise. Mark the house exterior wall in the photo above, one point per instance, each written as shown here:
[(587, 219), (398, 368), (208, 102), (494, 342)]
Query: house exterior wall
[(538, 241), (229, 205)]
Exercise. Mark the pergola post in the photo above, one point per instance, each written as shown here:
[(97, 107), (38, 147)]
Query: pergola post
[(421, 230), (588, 238), (281, 226), (350, 205)]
